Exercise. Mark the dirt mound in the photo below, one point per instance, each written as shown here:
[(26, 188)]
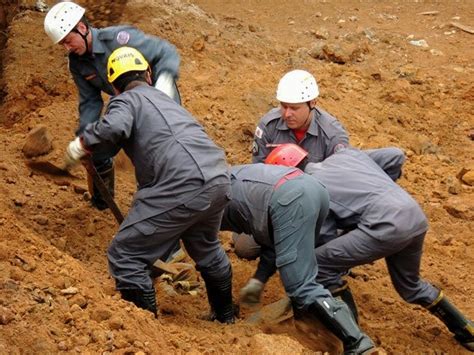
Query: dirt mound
[(375, 74)]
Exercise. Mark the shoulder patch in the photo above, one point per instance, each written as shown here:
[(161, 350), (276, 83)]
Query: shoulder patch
[(258, 132), (123, 37), (339, 147)]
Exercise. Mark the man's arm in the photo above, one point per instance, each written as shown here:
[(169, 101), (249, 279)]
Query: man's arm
[(390, 159), (105, 136), (90, 102), (160, 54)]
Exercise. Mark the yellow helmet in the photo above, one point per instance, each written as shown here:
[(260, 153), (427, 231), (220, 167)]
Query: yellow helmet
[(123, 60)]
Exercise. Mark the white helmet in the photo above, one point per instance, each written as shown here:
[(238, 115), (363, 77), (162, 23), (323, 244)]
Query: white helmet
[(61, 19), (297, 86)]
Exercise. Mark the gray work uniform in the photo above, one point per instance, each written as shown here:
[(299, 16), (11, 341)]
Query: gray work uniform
[(284, 220), (90, 70), (182, 178), (383, 221), (324, 136)]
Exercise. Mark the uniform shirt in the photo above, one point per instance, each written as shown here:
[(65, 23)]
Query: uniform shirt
[(252, 189), (174, 158), (363, 196), (324, 136), (90, 71)]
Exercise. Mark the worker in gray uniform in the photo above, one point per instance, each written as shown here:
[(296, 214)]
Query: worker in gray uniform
[(383, 221), (299, 121), (183, 185), (88, 50), (283, 208)]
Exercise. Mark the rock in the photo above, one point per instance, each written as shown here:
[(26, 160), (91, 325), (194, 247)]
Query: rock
[(38, 142), (6, 316), (116, 323), (70, 291), (198, 44), (460, 207), (321, 33), (101, 314), (78, 300), (468, 178), (19, 201), (41, 220)]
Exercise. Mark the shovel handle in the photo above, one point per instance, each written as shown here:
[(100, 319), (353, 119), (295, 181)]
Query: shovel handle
[(104, 191)]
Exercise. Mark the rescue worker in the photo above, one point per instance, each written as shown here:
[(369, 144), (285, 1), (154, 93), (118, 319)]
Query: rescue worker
[(299, 121), (183, 185), (383, 221), (88, 50), (284, 209)]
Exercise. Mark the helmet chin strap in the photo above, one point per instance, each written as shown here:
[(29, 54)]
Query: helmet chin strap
[(84, 36)]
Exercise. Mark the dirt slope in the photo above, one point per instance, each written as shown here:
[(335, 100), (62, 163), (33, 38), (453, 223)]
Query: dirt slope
[(55, 292)]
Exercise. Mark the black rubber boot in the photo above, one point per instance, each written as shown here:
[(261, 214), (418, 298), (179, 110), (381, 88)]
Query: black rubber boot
[(345, 294), (219, 294), (106, 172), (144, 299), (335, 315), (457, 323)]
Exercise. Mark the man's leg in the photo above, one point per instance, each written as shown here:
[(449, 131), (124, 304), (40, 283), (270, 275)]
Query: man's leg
[(404, 268), (294, 211), (204, 247)]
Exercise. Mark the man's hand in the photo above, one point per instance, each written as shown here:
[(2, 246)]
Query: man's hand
[(74, 152), (251, 292)]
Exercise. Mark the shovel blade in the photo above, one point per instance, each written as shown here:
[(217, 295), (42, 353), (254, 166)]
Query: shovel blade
[(49, 168)]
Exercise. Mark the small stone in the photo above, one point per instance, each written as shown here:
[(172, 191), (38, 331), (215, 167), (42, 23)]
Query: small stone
[(38, 142), (468, 178), (6, 316), (101, 314), (70, 291), (62, 345), (41, 220), (116, 323)]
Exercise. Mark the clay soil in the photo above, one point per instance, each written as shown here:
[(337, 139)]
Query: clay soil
[(56, 295)]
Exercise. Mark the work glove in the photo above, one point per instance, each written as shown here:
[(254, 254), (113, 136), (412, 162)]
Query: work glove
[(74, 152), (165, 83), (251, 292)]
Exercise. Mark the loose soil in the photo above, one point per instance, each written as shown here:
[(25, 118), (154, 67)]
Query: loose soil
[(56, 295)]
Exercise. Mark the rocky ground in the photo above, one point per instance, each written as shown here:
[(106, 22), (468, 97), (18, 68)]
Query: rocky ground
[(395, 73)]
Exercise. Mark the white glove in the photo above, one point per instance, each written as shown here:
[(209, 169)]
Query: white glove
[(165, 83), (74, 152), (251, 292)]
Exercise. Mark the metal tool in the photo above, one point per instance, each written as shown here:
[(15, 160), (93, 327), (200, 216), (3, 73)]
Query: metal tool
[(104, 191), (49, 168)]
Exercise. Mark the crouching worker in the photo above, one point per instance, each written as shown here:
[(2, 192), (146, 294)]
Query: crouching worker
[(183, 185), (383, 221), (284, 209)]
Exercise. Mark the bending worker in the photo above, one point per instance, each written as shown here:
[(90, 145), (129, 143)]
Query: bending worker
[(283, 208), (88, 50), (383, 221), (183, 185)]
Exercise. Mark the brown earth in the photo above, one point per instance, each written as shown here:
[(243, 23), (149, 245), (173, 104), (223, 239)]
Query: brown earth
[(55, 291)]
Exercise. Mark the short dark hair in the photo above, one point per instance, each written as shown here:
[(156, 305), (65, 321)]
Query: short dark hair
[(126, 78)]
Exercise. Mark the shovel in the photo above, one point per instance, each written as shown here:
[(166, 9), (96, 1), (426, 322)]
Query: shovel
[(49, 168), (104, 191)]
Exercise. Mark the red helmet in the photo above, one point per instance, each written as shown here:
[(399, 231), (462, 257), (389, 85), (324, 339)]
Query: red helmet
[(288, 154)]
